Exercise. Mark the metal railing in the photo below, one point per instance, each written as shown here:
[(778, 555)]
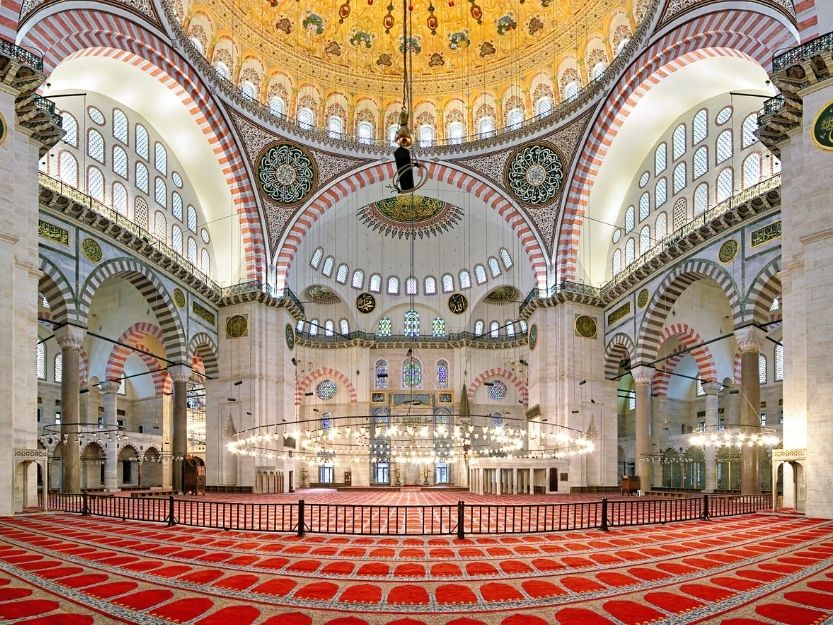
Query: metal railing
[(321, 337), (803, 52), (458, 519), (7, 48)]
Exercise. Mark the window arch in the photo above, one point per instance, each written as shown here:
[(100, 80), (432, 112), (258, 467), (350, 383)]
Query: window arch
[(725, 184), (68, 168), (442, 374), (661, 226), (341, 274), (142, 141), (494, 329), (316, 258), (120, 126), (313, 327), (515, 118), (571, 90), (505, 258), (393, 285), (700, 126), (205, 262), (58, 368), (142, 178), (617, 261), (465, 279), (277, 106), (543, 106), (95, 145), (426, 136), (479, 274), (160, 158), (779, 363), (381, 369), (385, 327), (645, 206), (327, 268), (751, 170), (192, 251), (160, 192), (680, 213), (358, 279), (95, 183), (120, 199), (661, 192), (448, 283), (411, 286), (411, 323), (344, 327), (412, 373), (762, 368), (438, 326), (750, 125), (510, 327), (629, 252), (306, 118), (364, 132), (454, 132), (430, 285), (660, 159), (40, 360), (329, 326), (375, 283), (335, 126), (120, 161), (160, 226), (176, 239), (494, 267), (723, 148), (176, 205), (70, 127), (680, 177), (478, 327), (701, 199), (644, 240), (701, 162), (629, 213), (679, 141), (140, 212)]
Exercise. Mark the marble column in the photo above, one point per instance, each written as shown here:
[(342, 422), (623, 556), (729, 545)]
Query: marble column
[(749, 340), (71, 338), (110, 391), (711, 389), (642, 377), (515, 481), (179, 445)]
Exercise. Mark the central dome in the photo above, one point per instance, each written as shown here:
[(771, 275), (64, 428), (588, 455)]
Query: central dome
[(472, 59)]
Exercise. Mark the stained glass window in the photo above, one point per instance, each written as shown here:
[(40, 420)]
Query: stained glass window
[(617, 262), (393, 285), (411, 286), (515, 118), (751, 170), (497, 420), (494, 268), (571, 90), (426, 136), (95, 183), (723, 115), (313, 327), (192, 219), (160, 192), (341, 274), (276, 105), (344, 326), (724, 147), (411, 323), (442, 374), (505, 258), (375, 283), (328, 327), (327, 269), (448, 283), (68, 168), (430, 285), (140, 213), (630, 220), (206, 262), (364, 130), (438, 326), (455, 133), (725, 185), (358, 279), (644, 206), (643, 179), (412, 373), (176, 205), (306, 118), (176, 239), (510, 327), (326, 389), (465, 279), (779, 363), (630, 252), (661, 226), (680, 213), (478, 327), (485, 126), (334, 126), (160, 226), (40, 352), (381, 374), (644, 240), (326, 420), (385, 328), (497, 390)]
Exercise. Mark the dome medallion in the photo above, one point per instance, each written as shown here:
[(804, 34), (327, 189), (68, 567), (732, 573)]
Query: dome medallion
[(406, 215), (535, 174), (286, 173)]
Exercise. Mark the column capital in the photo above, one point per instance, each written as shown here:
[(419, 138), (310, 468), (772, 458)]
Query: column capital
[(70, 336), (750, 338), (643, 374), (180, 373), (712, 388), (110, 387)]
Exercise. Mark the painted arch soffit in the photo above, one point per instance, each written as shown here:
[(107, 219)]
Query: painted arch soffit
[(535, 175), (286, 174), (144, 8)]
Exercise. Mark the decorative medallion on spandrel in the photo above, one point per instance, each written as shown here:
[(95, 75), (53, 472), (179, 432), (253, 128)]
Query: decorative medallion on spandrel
[(285, 173), (823, 128)]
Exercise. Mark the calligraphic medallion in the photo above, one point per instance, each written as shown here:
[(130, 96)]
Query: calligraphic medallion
[(286, 173), (728, 251), (586, 326), (458, 303), (822, 130), (366, 303), (533, 337), (237, 326), (92, 250), (289, 333), (179, 298), (4, 129)]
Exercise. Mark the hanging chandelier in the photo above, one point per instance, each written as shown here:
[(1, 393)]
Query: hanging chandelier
[(736, 436)]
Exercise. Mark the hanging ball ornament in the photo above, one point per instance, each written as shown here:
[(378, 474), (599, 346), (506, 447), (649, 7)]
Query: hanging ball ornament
[(404, 137)]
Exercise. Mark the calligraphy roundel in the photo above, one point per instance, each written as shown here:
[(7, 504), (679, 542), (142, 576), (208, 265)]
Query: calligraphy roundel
[(286, 173), (823, 128), (535, 174), (3, 129)]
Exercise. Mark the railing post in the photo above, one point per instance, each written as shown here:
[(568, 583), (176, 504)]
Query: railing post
[(85, 506), (461, 515), (300, 517), (706, 516), (604, 526), (171, 520)]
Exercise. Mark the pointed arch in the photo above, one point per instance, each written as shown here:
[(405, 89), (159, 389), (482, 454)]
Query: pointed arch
[(154, 292), (135, 336), (765, 287), (669, 290), (58, 292), (690, 343), (506, 374), (202, 347), (304, 383), (618, 349)]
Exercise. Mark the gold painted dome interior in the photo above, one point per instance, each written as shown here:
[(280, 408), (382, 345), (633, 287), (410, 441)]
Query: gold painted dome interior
[(478, 65)]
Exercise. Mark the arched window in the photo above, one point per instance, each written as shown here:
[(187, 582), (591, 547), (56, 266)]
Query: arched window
[(142, 179), (58, 368), (680, 178), (497, 390), (299, 327), (448, 283), (723, 115), (160, 158), (681, 213), (40, 359), (660, 159), (515, 118), (313, 327), (523, 326), (543, 106), (465, 279), (505, 258), (779, 363), (160, 226), (70, 126), (723, 150), (206, 262), (142, 142), (725, 185), (375, 283), (412, 373), (392, 129), (571, 90), (335, 126), (454, 132), (485, 126), (192, 251), (625, 41), (750, 125), (364, 131), (510, 327), (328, 327), (442, 374), (344, 327), (247, 88), (140, 213), (120, 199), (494, 329), (277, 106), (761, 368), (751, 170), (176, 239), (426, 136), (617, 261), (430, 285), (700, 126), (478, 327), (411, 286), (701, 162), (644, 206), (411, 323), (119, 161), (176, 205), (95, 183), (95, 145), (679, 141), (598, 70), (393, 285), (630, 221), (494, 267), (68, 168), (381, 374), (306, 118), (701, 199), (661, 226), (316, 258), (327, 268), (222, 70), (120, 126), (197, 44), (438, 326), (661, 192), (326, 420), (160, 192), (341, 274), (497, 420), (479, 274), (630, 252), (644, 240), (358, 279)]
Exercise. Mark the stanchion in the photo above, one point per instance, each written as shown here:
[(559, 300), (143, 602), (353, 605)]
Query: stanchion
[(300, 517), (461, 515), (706, 516), (604, 526), (170, 519), (85, 506)]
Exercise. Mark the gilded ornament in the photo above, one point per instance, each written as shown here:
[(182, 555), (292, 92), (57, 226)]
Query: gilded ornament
[(366, 303), (313, 23), (823, 128), (53, 232), (767, 233), (203, 313), (535, 174), (619, 314), (458, 303), (91, 250), (284, 25), (642, 298), (286, 173), (179, 298), (289, 335), (728, 251), (533, 337), (502, 295), (237, 326), (407, 215), (506, 24), (322, 295), (586, 326)]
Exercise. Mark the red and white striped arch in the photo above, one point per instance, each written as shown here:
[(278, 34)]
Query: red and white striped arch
[(134, 337), (735, 33), (324, 372), (506, 374), (380, 172), (64, 35), (807, 18), (689, 338)]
